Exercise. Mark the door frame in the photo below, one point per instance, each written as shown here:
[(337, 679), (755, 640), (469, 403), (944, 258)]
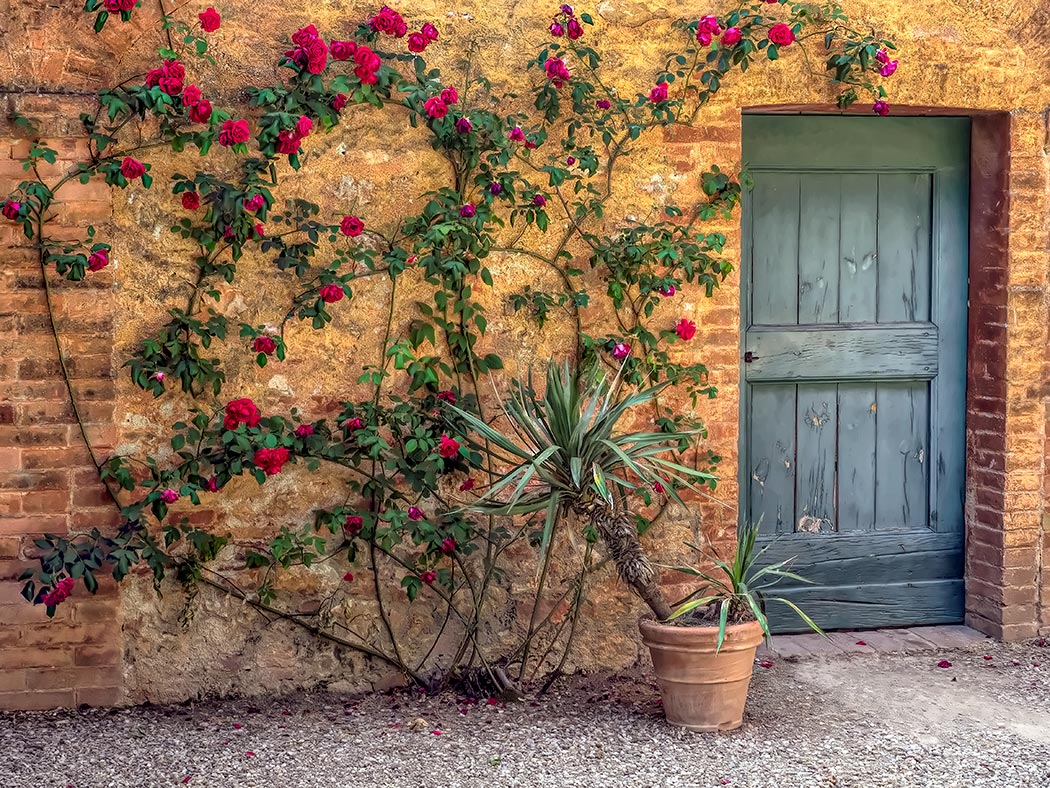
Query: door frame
[(986, 351)]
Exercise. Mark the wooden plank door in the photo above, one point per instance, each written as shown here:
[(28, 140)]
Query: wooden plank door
[(853, 401)]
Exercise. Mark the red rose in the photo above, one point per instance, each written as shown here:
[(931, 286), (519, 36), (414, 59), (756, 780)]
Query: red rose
[(429, 32), (781, 35), (450, 95), (288, 142), (115, 6), (415, 513), (351, 226), (98, 260), (732, 37), (304, 430), (264, 344), (234, 132), (168, 77), (303, 126), (427, 577), (12, 210), (448, 546), (132, 168), (191, 94), (342, 50), (658, 93), (241, 411), (271, 460), (390, 22), (448, 396), (201, 111), (355, 423), (881, 108), (339, 101), (417, 42), (435, 108), (348, 577), (449, 447), (63, 588), (311, 52), (467, 485), (170, 85), (516, 134), (354, 523), (210, 20), (259, 230), (685, 329), (557, 72), (331, 293)]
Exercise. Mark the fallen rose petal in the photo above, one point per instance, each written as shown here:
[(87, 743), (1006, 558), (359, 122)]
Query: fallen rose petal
[(187, 778), (493, 701), (944, 664), (1037, 664), (766, 664), (987, 656), (249, 754), (861, 643), (436, 732), (237, 726)]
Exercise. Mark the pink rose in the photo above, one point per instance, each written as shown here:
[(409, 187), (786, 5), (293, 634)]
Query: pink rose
[(658, 487), (264, 345), (330, 294), (667, 291), (351, 226), (132, 168), (464, 126), (254, 203), (557, 72), (881, 108), (98, 260), (12, 210), (621, 351), (448, 448), (557, 30), (304, 430), (889, 69), (710, 24), (355, 423), (516, 134), (342, 50), (539, 200), (447, 396), (417, 42), (732, 36), (210, 20), (435, 108), (603, 104), (201, 111), (303, 126), (781, 35), (573, 29), (686, 329), (169, 496), (415, 513), (882, 56), (429, 32), (241, 411), (467, 211), (448, 546), (450, 95), (428, 577), (658, 93)]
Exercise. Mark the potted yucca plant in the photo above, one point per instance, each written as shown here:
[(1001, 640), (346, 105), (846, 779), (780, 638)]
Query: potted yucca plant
[(567, 452)]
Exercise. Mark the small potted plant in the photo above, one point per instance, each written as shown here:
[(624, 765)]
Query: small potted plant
[(704, 653), (565, 453)]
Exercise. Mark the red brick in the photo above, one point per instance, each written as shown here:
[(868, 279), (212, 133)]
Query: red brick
[(97, 655), (37, 701), (36, 658), (98, 696), (72, 677)]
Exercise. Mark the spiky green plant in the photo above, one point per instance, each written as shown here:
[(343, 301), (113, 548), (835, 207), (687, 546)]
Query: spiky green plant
[(564, 452), (741, 592)]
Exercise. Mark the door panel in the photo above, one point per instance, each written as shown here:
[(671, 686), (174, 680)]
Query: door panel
[(853, 402)]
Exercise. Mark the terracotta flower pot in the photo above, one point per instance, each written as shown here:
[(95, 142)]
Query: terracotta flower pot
[(703, 689)]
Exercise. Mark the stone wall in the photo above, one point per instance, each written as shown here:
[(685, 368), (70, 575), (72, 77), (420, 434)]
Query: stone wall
[(131, 645)]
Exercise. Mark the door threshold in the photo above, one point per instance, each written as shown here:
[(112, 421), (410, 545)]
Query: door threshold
[(873, 641)]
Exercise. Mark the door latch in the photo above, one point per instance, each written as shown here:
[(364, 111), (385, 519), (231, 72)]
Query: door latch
[(749, 357)]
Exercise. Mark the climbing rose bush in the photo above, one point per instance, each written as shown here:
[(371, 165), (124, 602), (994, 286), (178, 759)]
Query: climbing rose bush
[(529, 173)]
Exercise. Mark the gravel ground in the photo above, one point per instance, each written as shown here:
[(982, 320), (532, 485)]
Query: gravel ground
[(858, 720)]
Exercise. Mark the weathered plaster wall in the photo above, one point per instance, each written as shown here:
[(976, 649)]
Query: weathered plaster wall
[(972, 56)]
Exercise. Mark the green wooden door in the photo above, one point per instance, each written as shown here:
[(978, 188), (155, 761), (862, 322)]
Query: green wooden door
[(853, 400)]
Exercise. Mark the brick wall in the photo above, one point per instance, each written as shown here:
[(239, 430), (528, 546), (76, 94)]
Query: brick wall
[(48, 482)]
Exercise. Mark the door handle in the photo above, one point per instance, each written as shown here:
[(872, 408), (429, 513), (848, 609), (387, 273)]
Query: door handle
[(749, 357)]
